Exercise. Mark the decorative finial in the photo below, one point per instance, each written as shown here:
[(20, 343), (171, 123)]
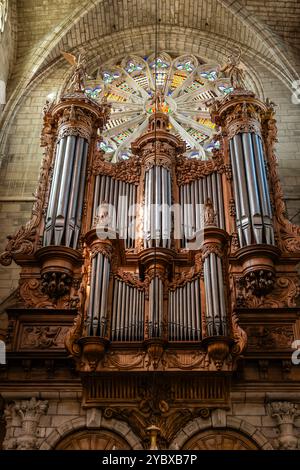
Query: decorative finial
[(154, 432)]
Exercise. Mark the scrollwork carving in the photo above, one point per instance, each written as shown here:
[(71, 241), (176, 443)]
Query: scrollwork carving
[(23, 242), (128, 170), (284, 294), (30, 292), (288, 233), (188, 170)]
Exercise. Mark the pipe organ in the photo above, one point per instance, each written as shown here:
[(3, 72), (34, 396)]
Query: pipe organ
[(153, 257)]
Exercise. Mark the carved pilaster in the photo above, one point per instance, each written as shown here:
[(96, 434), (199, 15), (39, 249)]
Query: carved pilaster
[(284, 413), (29, 413)]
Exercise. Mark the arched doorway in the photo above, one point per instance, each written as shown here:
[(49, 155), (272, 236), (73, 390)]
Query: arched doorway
[(220, 440), (93, 440)]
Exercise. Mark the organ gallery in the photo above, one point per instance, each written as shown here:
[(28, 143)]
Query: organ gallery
[(157, 286)]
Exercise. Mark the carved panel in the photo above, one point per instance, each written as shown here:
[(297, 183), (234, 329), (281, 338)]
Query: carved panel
[(271, 337), (42, 337)]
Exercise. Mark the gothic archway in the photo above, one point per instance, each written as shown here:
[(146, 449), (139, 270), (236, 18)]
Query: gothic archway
[(93, 440), (220, 439)]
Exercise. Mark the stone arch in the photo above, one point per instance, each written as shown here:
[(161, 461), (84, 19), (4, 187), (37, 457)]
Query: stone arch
[(233, 433), (123, 42), (83, 428), (87, 439), (47, 50)]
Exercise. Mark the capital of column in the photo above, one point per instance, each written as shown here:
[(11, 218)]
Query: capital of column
[(75, 114), (240, 111), (97, 245), (215, 240)]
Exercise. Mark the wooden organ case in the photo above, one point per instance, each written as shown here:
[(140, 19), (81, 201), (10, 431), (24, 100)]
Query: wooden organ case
[(154, 307)]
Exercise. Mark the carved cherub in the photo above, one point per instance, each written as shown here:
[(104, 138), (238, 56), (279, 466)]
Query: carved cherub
[(233, 70), (77, 79)]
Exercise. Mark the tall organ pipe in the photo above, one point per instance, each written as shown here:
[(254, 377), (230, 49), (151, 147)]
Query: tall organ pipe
[(113, 192), (155, 307), (63, 218), (157, 214), (127, 313), (184, 312), (192, 197), (97, 309), (216, 320), (253, 207)]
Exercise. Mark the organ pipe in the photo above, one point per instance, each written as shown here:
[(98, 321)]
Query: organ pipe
[(155, 307), (216, 322), (96, 323), (120, 196), (253, 207), (157, 214), (64, 212), (192, 198), (127, 313), (184, 312)]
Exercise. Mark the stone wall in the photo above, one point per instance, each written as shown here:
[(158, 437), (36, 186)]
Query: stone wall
[(7, 46), (255, 416)]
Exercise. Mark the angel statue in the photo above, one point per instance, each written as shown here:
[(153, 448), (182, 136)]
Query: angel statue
[(77, 80), (234, 71)]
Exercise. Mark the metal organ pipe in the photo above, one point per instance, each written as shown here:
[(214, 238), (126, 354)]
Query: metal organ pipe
[(127, 313), (157, 214), (63, 219), (216, 322), (253, 207), (155, 307), (184, 312), (97, 309), (113, 192), (195, 194)]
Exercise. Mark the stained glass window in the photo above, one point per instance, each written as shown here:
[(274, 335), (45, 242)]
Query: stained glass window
[(93, 92), (187, 85), (212, 75)]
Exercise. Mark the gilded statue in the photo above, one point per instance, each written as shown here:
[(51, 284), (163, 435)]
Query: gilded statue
[(234, 71)]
